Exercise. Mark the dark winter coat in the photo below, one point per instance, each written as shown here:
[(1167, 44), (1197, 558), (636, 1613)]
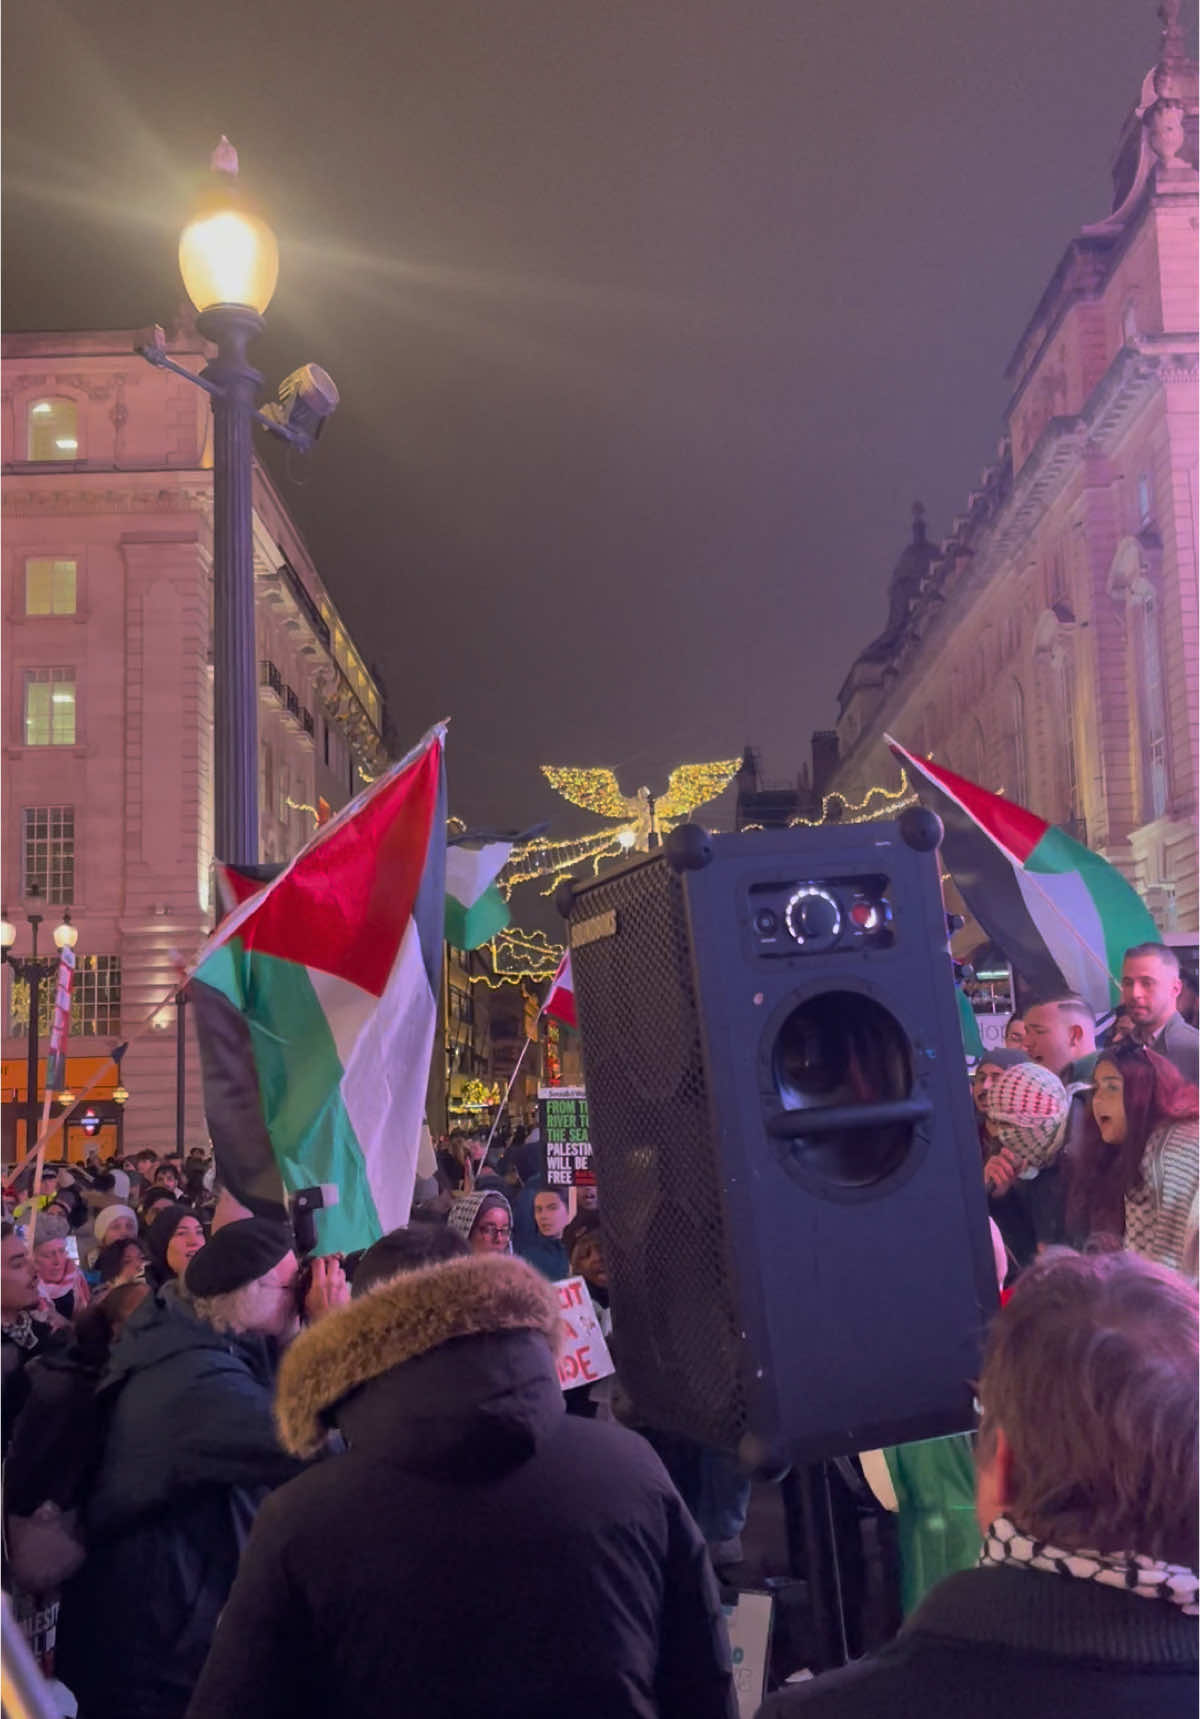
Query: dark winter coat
[(190, 1453), (476, 1551), (994, 1643)]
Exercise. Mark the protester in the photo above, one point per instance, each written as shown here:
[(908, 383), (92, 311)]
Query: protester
[(546, 1250), (56, 1445), (1150, 989), (60, 1281), (1060, 1034), (190, 1454), (404, 1250), (173, 1240), (497, 1555), (1085, 1598), (167, 1176), (1025, 1114), (1014, 1032), (483, 1220), (991, 1065), (120, 1262), (1139, 1173), (29, 1326), (115, 1223)]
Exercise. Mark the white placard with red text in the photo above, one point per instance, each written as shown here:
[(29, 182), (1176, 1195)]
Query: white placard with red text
[(584, 1356)]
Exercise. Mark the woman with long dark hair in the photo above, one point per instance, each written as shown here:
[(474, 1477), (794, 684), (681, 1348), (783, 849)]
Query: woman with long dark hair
[(1139, 1172)]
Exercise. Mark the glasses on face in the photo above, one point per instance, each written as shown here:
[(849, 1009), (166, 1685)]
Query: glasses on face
[(495, 1232)]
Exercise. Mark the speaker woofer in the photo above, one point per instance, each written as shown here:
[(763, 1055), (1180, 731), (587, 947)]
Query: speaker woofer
[(837, 1056)]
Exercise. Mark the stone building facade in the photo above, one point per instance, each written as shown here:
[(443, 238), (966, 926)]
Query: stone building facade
[(107, 720), (1048, 648)]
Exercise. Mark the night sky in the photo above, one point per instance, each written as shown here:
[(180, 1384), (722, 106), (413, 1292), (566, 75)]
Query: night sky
[(650, 317)]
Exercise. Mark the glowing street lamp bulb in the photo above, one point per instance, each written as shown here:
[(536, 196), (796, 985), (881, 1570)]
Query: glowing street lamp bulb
[(66, 935), (8, 933), (626, 838), (229, 257)]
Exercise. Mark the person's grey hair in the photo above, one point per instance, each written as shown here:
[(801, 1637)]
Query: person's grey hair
[(235, 1311)]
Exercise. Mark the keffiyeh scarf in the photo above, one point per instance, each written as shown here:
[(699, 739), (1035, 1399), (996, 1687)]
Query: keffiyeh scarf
[(1004, 1543)]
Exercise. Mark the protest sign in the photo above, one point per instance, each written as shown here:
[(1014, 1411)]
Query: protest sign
[(748, 1619), (584, 1356), (563, 1119)]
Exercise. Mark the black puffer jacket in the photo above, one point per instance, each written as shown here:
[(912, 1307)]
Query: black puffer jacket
[(476, 1550), (190, 1453)]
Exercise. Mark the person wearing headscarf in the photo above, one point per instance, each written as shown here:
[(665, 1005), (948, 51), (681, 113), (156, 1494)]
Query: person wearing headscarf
[(173, 1240), (1026, 1113), (484, 1220)]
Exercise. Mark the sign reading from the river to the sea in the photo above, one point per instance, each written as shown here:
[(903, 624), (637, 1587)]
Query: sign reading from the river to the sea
[(563, 1119)]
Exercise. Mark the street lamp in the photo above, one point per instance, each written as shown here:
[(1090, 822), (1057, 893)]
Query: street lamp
[(230, 262)]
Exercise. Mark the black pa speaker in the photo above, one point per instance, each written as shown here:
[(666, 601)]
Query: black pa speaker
[(785, 1146)]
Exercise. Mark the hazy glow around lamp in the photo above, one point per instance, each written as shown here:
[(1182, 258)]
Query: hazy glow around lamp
[(228, 254)]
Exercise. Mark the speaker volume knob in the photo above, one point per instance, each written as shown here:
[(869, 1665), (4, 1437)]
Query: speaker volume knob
[(813, 915)]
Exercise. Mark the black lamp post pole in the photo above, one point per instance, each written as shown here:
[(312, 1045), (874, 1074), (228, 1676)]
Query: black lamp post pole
[(33, 976), (235, 667), (181, 999)]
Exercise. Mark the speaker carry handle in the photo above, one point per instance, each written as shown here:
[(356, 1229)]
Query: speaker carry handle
[(840, 1118)]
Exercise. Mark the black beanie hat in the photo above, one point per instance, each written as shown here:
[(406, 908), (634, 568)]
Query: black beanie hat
[(158, 1237), (236, 1255)]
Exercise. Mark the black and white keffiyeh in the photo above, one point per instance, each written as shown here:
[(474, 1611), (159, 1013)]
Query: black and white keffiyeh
[(1005, 1543), (21, 1330)]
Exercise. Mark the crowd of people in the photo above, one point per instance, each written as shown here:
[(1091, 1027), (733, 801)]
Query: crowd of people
[(236, 1480)]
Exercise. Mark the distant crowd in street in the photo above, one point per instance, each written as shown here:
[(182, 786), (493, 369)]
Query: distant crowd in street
[(239, 1481)]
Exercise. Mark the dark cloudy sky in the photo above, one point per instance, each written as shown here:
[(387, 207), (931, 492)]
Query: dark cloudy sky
[(650, 317)]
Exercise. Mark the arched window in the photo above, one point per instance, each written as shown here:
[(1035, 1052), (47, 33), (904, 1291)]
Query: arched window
[(1147, 648), (1133, 579), (1064, 687), (53, 430), (1018, 787)]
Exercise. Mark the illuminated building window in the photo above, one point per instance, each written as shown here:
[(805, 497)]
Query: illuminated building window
[(48, 853), (53, 430), (95, 999), (50, 707), (49, 586)]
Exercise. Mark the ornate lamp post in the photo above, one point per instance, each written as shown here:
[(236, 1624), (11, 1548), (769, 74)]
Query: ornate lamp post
[(30, 972), (229, 261)]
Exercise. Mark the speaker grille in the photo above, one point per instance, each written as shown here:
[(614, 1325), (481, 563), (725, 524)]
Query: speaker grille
[(667, 1252)]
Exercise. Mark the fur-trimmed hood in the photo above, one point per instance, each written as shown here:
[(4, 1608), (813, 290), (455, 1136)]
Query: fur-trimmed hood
[(402, 1321)]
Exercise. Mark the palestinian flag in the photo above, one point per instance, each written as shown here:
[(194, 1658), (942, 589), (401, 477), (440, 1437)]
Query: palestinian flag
[(1062, 915), (316, 1004), (560, 998), (475, 908)]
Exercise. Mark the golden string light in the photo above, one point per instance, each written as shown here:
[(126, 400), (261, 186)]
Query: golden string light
[(518, 955)]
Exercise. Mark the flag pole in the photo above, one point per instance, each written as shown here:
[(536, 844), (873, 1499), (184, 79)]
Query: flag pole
[(512, 1081)]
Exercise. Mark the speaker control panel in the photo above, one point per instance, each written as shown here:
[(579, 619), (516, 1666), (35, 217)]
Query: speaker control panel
[(816, 916)]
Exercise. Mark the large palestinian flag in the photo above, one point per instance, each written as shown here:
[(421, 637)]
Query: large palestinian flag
[(316, 1004), (1061, 914)]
